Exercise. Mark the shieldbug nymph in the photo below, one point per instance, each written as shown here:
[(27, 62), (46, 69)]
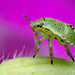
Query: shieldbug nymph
[(63, 32)]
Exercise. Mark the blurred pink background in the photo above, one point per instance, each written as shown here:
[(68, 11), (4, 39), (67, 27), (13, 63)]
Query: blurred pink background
[(15, 32)]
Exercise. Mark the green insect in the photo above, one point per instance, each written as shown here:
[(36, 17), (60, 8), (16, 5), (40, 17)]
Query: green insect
[(63, 32)]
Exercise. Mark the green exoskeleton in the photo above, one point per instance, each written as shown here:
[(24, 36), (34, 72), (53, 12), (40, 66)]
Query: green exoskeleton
[(63, 32)]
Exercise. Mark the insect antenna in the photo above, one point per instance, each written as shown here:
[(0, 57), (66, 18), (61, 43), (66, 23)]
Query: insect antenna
[(27, 18)]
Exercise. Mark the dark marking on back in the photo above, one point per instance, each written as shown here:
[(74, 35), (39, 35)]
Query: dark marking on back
[(55, 38), (71, 27), (60, 27), (54, 25), (44, 19), (47, 29), (62, 40)]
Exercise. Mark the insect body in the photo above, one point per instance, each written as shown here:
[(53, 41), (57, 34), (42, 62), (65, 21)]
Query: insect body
[(63, 32)]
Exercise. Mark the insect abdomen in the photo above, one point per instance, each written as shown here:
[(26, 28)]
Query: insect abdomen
[(63, 30)]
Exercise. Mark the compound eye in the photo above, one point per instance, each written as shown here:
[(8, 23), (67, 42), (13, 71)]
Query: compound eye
[(40, 25)]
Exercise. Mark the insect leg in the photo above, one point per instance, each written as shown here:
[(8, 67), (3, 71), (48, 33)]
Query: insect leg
[(68, 52), (37, 43), (43, 38), (50, 48), (67, 49)]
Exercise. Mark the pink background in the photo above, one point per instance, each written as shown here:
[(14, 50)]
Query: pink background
[(15, 32)]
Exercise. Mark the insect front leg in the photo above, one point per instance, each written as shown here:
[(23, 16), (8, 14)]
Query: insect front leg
[(67, 49), (50, 48), (37, 43)]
